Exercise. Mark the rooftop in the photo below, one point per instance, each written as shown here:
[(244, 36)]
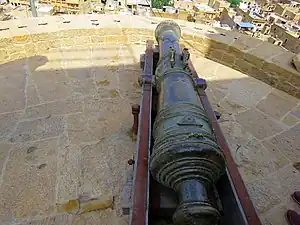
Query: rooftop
[(65, 112)]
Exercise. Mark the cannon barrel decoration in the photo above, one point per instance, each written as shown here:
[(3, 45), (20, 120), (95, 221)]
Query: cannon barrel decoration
[(185, 155)]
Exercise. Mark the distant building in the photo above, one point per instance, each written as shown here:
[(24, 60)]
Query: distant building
[(252, 16), (288, 34), (288, 11), (69, 6), (45, 10), (228, 17), (18, 2), (218, 4), (188, 5)]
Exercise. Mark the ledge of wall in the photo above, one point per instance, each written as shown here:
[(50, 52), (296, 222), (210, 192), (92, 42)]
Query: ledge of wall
[(261, 60)]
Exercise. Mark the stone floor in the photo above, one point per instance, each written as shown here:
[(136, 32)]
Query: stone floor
[(65, 117)]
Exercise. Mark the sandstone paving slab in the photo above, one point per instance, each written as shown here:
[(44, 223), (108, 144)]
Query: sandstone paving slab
[(42, 128), (76, 56), (231, 106), (81, 87), (100, 116), (258, 124), (282, 184), (81, 95), (12, 97), (106, 217), (69, 164), (277, 104), (96, 168), (129, 78), (255, 161), (290, 119), (32, 95), (296, 112), (4, 153), (236, 136), (8, 121), (287, 142), (28, 187), (48, 74), (60, 107), (247, 92)]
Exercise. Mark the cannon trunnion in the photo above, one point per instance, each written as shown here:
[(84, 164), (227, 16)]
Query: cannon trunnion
[(183, 170)]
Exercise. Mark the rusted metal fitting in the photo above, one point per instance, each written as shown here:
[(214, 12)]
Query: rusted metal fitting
[(200, 83), (131, 162), (135, 109), (146, 79)]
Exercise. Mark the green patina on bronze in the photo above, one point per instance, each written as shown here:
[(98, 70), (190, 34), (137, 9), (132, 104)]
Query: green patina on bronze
[(185, 154)]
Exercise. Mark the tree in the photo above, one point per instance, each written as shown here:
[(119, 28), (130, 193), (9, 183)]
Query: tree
[(159, 4), (234, 3)]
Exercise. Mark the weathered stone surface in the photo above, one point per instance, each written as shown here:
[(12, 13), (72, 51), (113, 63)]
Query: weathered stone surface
[(266, 52), (258, 124), (66, 219), (32, 95), (231, 106), (254, 161), (51, 73), (61, 71), (69, 164), (12, 97), (265, 194), (277, 215), (245, 43), (104, 165), (130, 79), (235, 135), (100, 117), (33, 166), (290, 120), (61, 107), (277, 104), (287, 142), (47, 127), (4, 151), (8, 122), (296, 112), (247, 92)]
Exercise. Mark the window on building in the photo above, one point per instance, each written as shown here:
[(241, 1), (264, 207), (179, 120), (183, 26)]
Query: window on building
[(285, 41), (259, 25), (120, 4)]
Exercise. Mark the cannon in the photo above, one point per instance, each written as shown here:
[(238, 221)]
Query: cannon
[(183, 172)]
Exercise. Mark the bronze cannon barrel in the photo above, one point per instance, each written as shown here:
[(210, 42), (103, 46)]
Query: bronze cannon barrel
[(185, 155)]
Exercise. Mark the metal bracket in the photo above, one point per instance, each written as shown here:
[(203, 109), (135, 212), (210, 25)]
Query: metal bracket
[(146, 79), (200, 83)]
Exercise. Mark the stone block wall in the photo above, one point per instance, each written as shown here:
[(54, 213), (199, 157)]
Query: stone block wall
[(261, 60)]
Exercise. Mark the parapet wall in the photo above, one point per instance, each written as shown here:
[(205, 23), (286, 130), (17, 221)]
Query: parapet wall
[(261, 60)]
